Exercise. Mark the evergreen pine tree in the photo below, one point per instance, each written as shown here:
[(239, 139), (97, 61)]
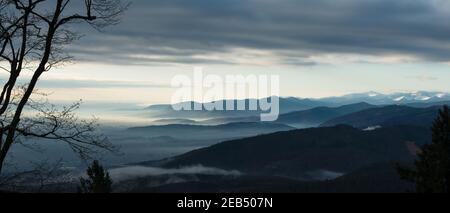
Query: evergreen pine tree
[(98, 180), (432, 168)]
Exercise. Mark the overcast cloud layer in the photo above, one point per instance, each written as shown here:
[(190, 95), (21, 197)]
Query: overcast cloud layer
[(293, 31)]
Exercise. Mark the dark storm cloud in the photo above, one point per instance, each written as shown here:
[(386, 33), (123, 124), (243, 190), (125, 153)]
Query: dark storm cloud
[(180, 31)]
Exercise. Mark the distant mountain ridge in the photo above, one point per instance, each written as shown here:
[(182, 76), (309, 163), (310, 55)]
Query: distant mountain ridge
[(388, 116), (292, 104), (231, 130), (301, 119), (316, 116), (285, 104), (173, 121), (389, 99)]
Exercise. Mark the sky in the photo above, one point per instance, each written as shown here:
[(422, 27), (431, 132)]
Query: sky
[(318, 48)]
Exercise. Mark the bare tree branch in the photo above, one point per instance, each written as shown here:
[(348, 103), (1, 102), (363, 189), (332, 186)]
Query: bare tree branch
[(33, 35)]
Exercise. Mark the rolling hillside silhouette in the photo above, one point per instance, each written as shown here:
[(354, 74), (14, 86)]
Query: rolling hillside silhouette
[(297, 153)]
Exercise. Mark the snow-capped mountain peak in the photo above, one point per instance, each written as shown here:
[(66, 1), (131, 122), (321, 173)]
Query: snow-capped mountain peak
[(399, 98), (440, 95)]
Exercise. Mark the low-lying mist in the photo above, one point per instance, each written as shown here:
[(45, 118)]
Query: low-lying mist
[(132, 172)]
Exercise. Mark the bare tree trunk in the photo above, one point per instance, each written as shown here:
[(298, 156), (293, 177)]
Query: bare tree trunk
[(38, 35)]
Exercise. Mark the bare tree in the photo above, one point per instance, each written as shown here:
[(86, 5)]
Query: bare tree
[(33, 34)]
